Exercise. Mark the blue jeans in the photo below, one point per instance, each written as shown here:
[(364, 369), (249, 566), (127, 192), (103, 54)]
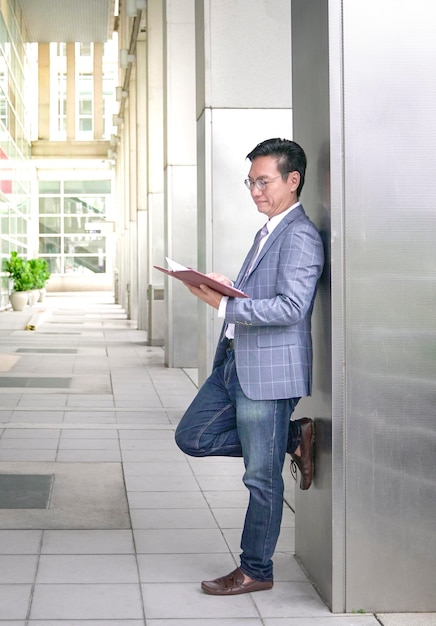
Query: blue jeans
[(222, 421)]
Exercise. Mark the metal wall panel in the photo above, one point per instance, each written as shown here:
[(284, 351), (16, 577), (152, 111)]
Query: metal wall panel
[(390, 285), (382, 128), (311, 128)]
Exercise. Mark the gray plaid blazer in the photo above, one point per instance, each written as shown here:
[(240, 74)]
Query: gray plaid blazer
[(273, 342)]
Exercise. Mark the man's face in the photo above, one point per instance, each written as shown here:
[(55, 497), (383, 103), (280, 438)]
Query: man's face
[(278, 194)]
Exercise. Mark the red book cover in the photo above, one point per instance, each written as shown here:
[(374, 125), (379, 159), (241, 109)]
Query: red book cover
[(195, 278)]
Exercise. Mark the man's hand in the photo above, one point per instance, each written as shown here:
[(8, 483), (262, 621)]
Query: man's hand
[(205, 293), (208, 295), (220, 278)]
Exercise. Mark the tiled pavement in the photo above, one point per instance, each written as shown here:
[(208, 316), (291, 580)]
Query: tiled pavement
[(132, 525)]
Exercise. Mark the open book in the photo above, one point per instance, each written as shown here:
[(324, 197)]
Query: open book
[(194, 278)]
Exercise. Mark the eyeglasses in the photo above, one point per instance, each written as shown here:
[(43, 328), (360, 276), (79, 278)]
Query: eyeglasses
[(259, 182)]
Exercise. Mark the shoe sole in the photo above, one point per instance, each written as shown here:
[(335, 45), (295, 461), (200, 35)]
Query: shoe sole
[(293, 462), (312, 443)]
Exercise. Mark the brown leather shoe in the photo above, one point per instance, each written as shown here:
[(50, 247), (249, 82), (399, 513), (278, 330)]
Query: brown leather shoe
[(305, 461), (233, 584)]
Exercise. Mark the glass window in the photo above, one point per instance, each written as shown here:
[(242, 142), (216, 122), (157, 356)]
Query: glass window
[(62, 104), (71, 205), (90, 244), (50, 245), (83, 205), (5, 224), (49, 225), (5, 248), (54, 264), (66, 236), (87, 186), (85, 107), (85, 264), (49, 205), (86, 49), (58, 91), (21, 225), (3, 100), (85, 124), (75, 223), (49, 186), (85, 104)]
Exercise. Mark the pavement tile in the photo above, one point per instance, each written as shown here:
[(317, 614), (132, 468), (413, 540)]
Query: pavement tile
[(186, 600), (81, 622), (87, 542), (87, 569), (180, 568), (161, 483), (20, 542), (18, 568), (206, 621), (167, 499), (146, 469), (407, 619), (185, 541), (166, 518), (82, 601), (328, 620), (14, 601), (290, 599)]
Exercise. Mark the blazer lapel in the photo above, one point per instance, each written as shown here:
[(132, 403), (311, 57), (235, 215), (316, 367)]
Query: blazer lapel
[(286, 221)]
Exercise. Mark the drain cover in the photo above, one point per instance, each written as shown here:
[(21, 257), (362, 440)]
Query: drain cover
[(25, 491)]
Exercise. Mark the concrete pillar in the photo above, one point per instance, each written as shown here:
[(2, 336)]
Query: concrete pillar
[(155, 163), (132, 175), (142, 183), (44, 91), (71, 92), (98, 91), (243, 97), (180, 180)]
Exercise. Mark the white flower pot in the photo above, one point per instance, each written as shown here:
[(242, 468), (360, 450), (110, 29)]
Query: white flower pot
[(18, 300), (33, 296)]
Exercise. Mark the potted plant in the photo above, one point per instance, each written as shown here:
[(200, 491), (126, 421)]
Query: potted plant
[(19, 273), (39, 270)]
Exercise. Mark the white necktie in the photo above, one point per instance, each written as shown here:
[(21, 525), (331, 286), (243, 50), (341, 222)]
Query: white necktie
[(261, 236)]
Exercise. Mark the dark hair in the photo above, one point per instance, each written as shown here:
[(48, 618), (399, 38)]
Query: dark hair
[(290, 157)]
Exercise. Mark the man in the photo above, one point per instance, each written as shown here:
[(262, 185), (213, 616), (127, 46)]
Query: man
[(263, 361)]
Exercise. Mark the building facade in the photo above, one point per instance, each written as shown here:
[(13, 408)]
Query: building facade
[(57, 180), (142, 157)]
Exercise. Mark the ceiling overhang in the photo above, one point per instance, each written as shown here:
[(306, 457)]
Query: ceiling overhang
[(83, 21)]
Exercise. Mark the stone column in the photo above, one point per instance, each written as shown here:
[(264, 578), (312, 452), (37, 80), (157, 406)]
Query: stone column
[(98, 91), (44, 91), (71, 92), (155, 163), (180, 180), (142, 183), (243, 64)]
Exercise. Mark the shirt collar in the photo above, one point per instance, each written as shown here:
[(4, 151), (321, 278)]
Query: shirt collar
[(275, 221)]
